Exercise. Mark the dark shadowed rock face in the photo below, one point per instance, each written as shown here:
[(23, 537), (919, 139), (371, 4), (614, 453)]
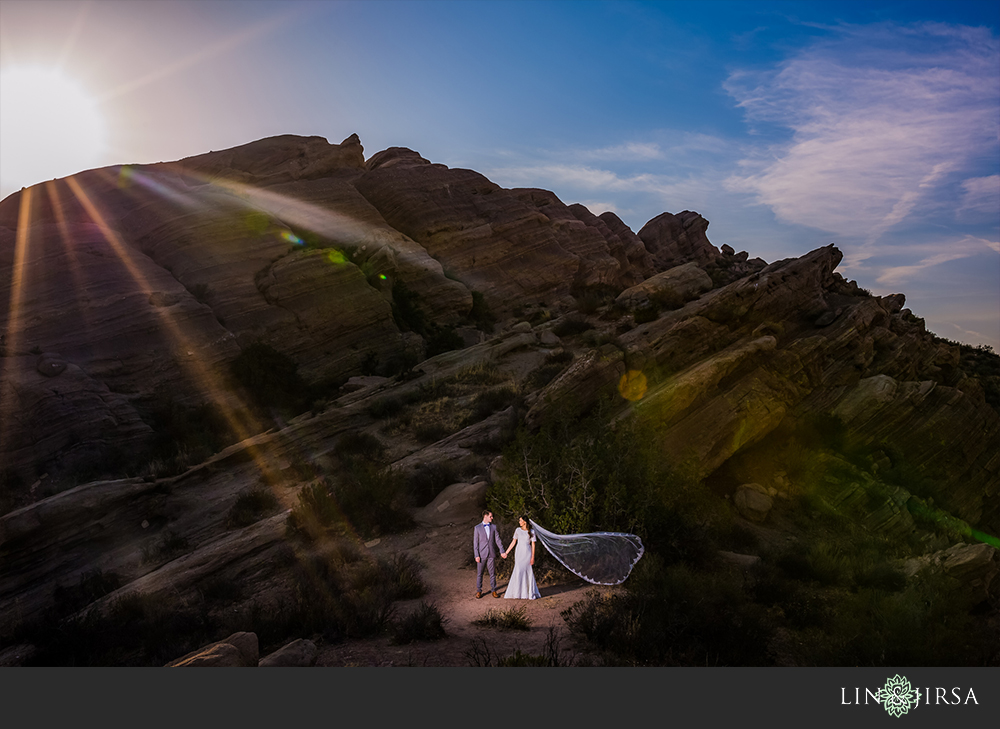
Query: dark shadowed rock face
[(507, 244)]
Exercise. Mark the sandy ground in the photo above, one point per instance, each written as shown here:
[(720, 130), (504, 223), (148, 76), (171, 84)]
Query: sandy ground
[(445, 552)]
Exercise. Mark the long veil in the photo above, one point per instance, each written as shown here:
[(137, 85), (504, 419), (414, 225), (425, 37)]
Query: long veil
[(603, 558)]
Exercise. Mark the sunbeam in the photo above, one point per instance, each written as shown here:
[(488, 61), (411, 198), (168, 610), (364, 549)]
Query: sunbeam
[(199, 374), (13, 324)]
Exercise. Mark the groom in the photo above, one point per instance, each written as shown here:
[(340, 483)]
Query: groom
[(484, 536)]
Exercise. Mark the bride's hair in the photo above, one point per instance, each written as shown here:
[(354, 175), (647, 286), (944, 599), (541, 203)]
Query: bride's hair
[(527, 522)]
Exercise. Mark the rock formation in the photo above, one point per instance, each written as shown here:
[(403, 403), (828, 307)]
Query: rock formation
[(392, 284)]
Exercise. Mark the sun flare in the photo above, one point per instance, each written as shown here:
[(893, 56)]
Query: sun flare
[(50, 126)]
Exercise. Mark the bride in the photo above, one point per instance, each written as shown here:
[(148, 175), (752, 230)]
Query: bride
[(522, 580)]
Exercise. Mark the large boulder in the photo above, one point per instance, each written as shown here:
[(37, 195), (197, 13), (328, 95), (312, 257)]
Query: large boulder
[(673, 240), (753, 502)]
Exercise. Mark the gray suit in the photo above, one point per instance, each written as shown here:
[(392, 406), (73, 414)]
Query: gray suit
[(482, 547)]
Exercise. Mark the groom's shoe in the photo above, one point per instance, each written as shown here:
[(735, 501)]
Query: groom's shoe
[(479, 595), (496, 594)]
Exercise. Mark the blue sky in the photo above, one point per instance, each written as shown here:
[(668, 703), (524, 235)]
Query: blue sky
[(788, 125)]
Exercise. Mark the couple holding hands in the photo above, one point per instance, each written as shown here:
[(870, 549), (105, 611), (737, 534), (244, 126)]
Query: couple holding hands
[(522, 580)]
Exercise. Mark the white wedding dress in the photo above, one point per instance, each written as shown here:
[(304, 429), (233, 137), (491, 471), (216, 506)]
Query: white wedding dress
[(522, 580)]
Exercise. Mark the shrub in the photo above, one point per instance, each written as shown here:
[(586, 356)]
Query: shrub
[(167, 547), (358, 445), (442, 339), (399, 574), (481, 373), (182, 436), (515, 618), (431, 432), (673, 616), (251, 506), (406, 311), (134, 630), (373, 499), (424, 623), (481, 314), (386, 407), (93, 585), (428, 480), (543, 375), (493, 400), (883, 576), (579, 474), (315, 511)]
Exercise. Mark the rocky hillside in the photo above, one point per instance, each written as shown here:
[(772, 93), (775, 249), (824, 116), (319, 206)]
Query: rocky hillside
[(183, 334)]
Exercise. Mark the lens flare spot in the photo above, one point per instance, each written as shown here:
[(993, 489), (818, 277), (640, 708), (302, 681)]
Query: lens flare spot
[(125, 177), (292, 238), (632, 385), (336, 257), (383, 277)]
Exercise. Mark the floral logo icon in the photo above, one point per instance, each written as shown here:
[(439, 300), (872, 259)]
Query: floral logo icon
[(897, 696)]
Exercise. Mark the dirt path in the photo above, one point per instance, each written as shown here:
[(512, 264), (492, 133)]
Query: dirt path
[(445, 552)]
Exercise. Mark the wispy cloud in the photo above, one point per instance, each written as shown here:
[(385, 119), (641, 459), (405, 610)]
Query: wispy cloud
[(667, 146), (597, 207), (567, 175), (631, 151), (981, 195), (649, 192), (885, 124), (885, 259)]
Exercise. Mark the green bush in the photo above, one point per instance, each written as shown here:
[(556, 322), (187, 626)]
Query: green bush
[(581, 474)]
